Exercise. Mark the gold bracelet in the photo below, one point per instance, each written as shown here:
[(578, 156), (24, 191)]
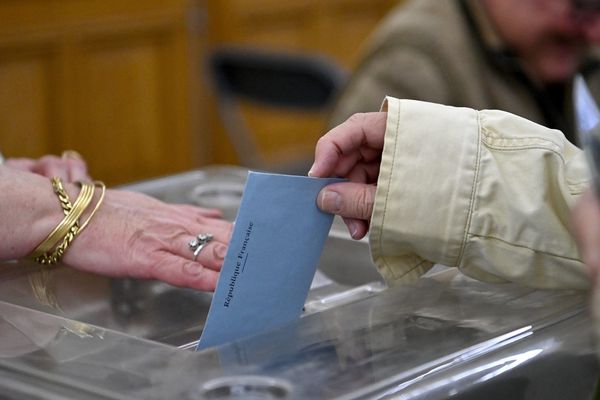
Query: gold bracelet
[(57, 254), (63, 197), (102, 193), (67, 226), (63, 227), (86, 194), (41, 281)]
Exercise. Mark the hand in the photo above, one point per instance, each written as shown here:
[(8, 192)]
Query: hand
[(137, 236), (351, 150), (585, 221), (70, 167)]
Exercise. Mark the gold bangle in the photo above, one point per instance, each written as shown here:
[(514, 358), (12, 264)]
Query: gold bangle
[(102, 193), (64, 226), (68, 223), (57, 254), (86, 195), (41, 281)]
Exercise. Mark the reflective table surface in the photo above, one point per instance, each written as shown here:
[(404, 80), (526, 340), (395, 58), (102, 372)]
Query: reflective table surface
[(430, 340)]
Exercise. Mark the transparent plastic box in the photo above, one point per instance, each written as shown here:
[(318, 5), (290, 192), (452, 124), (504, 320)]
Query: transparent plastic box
[(443, 337)]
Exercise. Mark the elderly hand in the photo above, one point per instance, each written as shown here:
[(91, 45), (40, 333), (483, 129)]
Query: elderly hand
[(137, 236), (351, 150), (585, 221), (131, 235), (70, 167)]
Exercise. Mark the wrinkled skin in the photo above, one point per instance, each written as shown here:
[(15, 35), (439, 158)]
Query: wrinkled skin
[(137, 236), (131, 235)]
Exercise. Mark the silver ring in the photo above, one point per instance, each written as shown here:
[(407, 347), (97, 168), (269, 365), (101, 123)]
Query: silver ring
[(198, 243)]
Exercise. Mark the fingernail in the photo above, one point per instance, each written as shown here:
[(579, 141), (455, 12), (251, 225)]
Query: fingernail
[(331, 202), (313, 168), (220, 251), (72, 154), (353, 228)]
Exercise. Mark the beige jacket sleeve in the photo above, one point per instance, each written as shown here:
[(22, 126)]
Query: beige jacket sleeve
[(487, 192)]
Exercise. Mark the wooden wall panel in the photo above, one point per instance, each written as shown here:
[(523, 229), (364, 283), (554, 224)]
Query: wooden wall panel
[(117, 80), (118, 108), (26, 104)]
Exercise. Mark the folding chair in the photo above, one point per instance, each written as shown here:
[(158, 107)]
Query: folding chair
[(283, 81)]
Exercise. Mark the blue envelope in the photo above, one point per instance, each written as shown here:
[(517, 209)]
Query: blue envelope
[(272, 257)]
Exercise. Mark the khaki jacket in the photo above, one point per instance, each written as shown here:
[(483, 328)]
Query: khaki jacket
[(485, 191), (426, 50)]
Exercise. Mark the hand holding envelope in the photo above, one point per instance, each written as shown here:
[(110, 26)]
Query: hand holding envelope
[(271, 259), (279, 231), (351, 150)]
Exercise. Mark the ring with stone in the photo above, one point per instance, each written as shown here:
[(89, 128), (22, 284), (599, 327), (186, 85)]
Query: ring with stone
[(198, 243)]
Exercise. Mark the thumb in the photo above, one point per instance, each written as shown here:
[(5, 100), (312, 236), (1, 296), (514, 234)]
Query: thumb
[(348, 199)]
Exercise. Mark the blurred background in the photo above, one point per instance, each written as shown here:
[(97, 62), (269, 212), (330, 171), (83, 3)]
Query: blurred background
[(131, 85)]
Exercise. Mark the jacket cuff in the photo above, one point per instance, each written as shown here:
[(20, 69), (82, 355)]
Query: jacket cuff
[(425, 189)]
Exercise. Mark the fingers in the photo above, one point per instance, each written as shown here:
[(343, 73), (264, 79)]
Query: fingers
[(137, 200), (220, 229), (348, 199), (361, 131), (69, 168), (178, 225), (178, 236), (211, 212), (183, 268), (50, 166), (211, 255), (364, 173), (135, 237), (23, 164), (353, 201), (76, 166), (361, 159), (185, 273), (204, 212), (358, 228)]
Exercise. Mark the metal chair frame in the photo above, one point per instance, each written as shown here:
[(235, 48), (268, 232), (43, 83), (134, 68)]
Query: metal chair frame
[(281, 80)]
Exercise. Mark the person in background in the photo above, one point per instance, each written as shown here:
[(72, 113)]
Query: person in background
[(441, 184), (129, 234), (518, 56)]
